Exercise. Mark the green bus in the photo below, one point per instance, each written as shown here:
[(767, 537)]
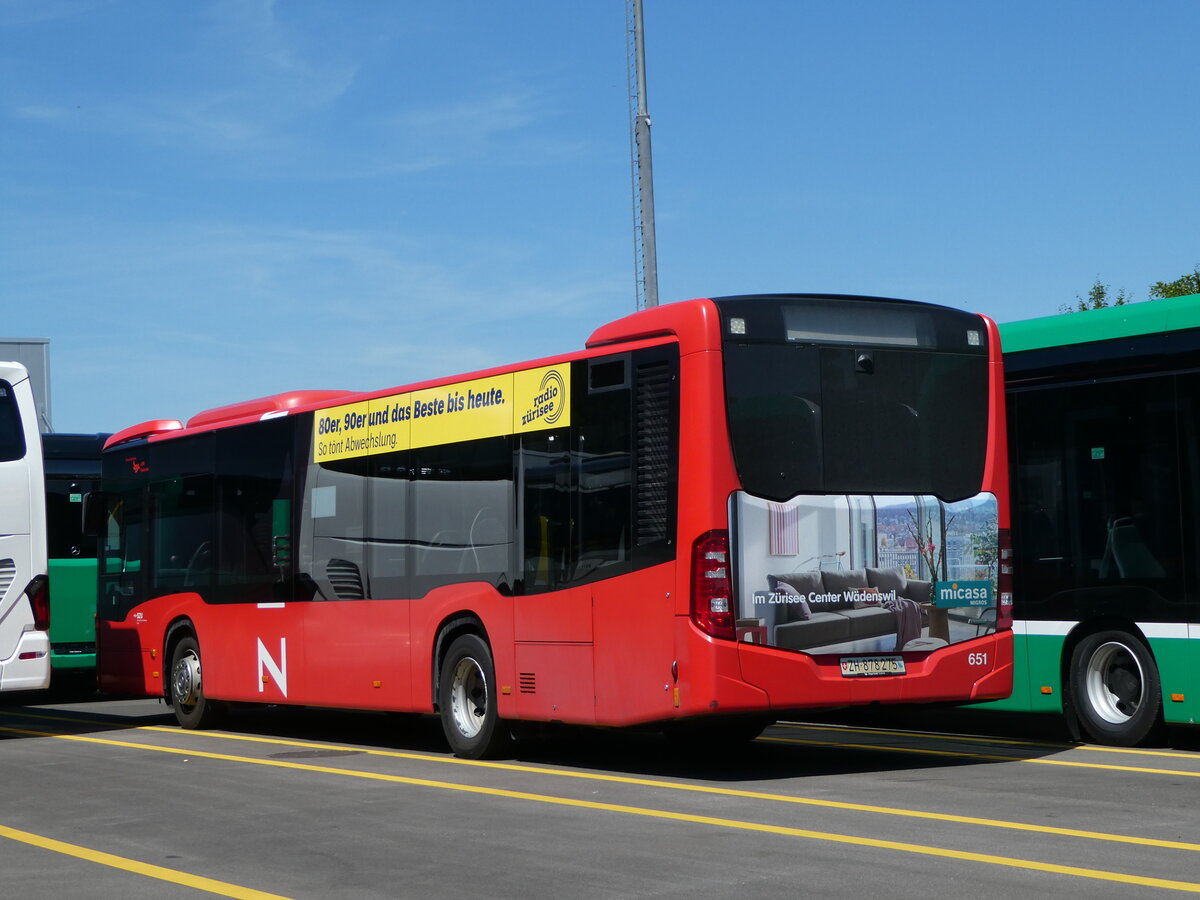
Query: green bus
[(1104, 444), (72, 469)]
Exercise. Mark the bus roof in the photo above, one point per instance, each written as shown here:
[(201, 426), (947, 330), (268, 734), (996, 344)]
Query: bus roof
[(687, 319), (59, 445), (1151, 317), (695, 323)]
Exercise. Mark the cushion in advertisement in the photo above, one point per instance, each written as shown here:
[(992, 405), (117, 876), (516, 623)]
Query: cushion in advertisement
[(888, 580)]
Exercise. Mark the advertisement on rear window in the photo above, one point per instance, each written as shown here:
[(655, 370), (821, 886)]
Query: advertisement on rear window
[(865, 574)]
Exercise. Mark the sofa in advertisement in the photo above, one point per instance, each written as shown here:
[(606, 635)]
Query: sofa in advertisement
[(850, 574)]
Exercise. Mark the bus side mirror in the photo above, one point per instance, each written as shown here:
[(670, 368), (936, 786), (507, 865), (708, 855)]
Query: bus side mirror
[(94, 505)]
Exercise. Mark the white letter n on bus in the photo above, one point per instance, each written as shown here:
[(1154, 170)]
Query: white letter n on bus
[(278, 671)]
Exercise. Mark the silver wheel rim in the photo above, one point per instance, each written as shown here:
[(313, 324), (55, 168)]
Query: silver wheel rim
[(185, 680), (1115, 683), (468, 697)]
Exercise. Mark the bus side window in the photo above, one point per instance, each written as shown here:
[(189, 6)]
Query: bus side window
[(462, 514), (183, 534), (1097, 488), (603, 472), (93, 520), (121, 561), (545, 511), (12, 435), (389, 550), (254, 496)]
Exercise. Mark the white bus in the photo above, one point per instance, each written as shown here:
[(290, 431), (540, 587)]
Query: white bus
[(24, 586)]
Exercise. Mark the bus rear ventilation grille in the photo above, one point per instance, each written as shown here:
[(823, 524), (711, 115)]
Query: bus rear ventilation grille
[(8, 571), (528, 683), (653, 412)]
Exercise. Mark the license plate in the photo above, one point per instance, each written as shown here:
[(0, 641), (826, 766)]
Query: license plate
[(860, 666)]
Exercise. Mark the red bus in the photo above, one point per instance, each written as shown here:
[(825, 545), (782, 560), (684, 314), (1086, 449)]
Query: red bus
[(721, 511)]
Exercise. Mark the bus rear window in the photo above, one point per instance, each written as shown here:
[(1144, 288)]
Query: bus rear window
[(840, 420)]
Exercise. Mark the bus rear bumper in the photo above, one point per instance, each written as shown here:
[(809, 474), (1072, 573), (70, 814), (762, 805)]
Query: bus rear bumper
[(28, 669), (980, 669), (72, 660)]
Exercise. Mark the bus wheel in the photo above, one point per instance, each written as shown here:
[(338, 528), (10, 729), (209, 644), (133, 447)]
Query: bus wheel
[(467, 700), (1115, 688), (192, 708)]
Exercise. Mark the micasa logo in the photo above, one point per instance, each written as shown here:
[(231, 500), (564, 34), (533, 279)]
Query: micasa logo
[(971, 593), (548, 405)]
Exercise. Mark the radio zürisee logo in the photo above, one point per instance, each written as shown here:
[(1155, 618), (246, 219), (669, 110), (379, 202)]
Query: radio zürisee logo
[(549, 403)]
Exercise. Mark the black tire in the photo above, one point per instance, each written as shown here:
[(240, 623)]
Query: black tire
[(1115, 689), (192, 709), (467, 700)]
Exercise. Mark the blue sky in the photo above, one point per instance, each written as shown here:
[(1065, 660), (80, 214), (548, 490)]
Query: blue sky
[(205, 202)]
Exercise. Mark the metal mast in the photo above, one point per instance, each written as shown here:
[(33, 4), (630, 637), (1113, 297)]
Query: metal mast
[(645, 259)]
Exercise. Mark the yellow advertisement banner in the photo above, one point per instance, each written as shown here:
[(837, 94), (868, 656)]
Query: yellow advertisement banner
[(341, 431), (531, 400), (543, 398), (462, 412)]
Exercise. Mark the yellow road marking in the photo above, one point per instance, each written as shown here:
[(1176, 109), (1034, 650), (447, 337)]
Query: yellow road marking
[(677, 786), (984, 739), (198, 882), (735, 824), (891, 732), (988, 757)]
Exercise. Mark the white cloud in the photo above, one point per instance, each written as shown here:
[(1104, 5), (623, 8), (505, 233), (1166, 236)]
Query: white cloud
[(30, 12), (41, 112), (474, 121), (241, 82), (186, 317)]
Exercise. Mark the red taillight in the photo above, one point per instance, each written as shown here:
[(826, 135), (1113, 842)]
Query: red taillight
[(1004, 582), (712, 589), (38, 593)]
